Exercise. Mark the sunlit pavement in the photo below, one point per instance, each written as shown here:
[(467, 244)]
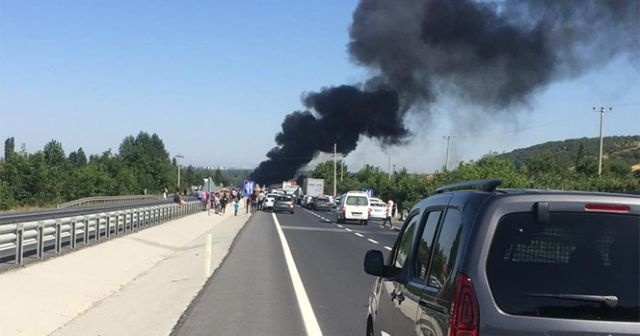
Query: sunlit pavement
[(253, 292), (137, 284)]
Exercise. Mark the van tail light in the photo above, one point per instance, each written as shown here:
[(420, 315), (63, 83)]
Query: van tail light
[(604, 207), (465, 315)]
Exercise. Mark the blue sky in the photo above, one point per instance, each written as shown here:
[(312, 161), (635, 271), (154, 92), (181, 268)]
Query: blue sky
[(215, 79)]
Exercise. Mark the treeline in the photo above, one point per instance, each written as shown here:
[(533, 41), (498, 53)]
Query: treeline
[(567, 152), (49, 176), (542, 171)]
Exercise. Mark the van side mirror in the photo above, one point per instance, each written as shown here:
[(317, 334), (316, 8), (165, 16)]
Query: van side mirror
[(374, 262), (374, 265)]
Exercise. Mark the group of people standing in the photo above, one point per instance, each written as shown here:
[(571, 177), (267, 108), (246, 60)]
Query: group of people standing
[(218, 201)]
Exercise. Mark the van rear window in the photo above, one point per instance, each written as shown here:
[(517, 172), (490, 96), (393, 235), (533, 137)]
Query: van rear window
[(357, 200), (577, 266)]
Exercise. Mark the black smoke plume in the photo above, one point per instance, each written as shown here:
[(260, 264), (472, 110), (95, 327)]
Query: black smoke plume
[(340, 115), (492, 55)]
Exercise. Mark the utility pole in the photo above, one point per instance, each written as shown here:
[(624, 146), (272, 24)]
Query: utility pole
[(178, 156), (446, 157), (335, 162), (389, 169), (341, 168), (602, 110)]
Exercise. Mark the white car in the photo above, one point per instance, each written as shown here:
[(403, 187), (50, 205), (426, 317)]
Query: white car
[(378, 209), (269, 202), (354, 205)]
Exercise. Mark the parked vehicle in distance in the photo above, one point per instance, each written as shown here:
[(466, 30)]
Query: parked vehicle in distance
[(378, 209), (510, 262), (354, 205), (309, 202), (324, 203), (313, 186), (283, 203), (268, 202)]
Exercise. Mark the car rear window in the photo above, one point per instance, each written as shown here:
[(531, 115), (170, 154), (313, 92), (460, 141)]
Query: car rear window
[(357, 200), (568, 267), (283, 198)]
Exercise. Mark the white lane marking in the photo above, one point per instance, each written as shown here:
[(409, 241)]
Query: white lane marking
[(340, 226), (388, 248), (309, 318), (348, 230), (358, 234), (373, 241)]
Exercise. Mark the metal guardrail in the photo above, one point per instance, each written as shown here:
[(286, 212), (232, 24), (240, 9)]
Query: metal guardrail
[(18, 239), (108, 200)]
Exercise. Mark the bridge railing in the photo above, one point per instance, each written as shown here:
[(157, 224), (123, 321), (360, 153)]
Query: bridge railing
[(99, 200), (19, 239)]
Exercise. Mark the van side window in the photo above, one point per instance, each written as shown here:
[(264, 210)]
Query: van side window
[(446, 249), (425, 244), (404, 244)]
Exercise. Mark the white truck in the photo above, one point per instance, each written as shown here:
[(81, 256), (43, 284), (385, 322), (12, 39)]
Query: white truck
[(313, 186)]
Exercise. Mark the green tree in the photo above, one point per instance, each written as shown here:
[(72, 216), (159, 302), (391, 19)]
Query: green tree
[(587, 166), (617, 167)]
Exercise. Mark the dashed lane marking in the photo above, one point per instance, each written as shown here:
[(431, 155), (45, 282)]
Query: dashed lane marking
[(358, 234), (387, 248), (373, 241), (348, 230), (340, 226)]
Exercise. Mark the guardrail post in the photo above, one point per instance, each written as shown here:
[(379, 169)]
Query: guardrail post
[(124, 219), (40, 240), (116, 219), (107, 233), (74, 226), (58, 236), (98, 227), (85, 240), (19, 244)]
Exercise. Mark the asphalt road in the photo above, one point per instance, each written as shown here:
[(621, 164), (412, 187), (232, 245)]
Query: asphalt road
[(253, 293)]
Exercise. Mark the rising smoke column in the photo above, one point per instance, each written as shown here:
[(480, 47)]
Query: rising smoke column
[(340, 115), (492, 55)]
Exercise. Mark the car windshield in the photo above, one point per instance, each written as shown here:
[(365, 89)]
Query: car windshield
[(533, 268)]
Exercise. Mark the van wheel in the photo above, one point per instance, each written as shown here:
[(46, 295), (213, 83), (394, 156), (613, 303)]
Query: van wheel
[(364, 222)]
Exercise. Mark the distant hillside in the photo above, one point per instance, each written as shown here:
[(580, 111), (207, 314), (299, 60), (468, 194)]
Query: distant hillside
[(626, 148)]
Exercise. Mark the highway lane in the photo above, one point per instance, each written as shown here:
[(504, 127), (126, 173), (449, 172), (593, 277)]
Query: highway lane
[(252, 292), (330, 261)]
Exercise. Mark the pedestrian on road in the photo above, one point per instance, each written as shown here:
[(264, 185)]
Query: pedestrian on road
[(236, 206), (261, 198), (247, 204), (223, 202), (216, 204), (389, 215)]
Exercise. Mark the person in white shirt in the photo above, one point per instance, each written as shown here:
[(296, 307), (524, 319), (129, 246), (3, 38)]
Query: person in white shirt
[(389, 214)]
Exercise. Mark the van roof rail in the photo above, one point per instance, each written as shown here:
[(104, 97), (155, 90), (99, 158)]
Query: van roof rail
[(488, 185)]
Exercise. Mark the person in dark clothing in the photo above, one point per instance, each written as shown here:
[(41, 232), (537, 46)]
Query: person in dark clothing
[(223, 202)]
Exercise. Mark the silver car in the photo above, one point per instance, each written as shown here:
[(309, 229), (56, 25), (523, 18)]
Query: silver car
[(510, 262), (283, 203)]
